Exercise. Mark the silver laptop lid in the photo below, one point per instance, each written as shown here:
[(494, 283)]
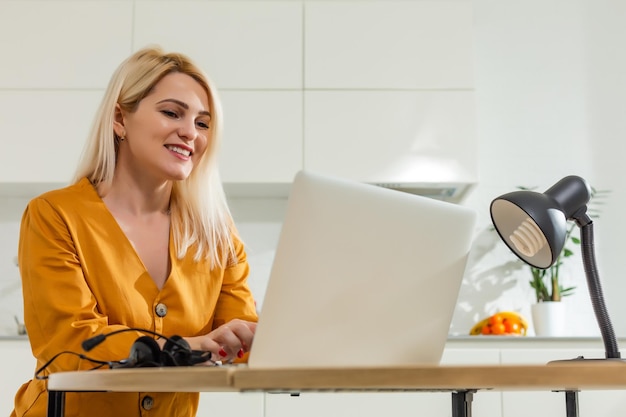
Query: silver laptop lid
[(362, 276)]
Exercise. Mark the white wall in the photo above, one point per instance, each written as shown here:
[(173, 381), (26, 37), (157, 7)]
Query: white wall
[(549, 102)]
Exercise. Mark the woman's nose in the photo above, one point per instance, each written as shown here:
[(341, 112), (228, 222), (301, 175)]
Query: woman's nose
[(187, 130)]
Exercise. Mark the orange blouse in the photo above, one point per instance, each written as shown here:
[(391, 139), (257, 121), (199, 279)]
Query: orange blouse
[(82, 277)]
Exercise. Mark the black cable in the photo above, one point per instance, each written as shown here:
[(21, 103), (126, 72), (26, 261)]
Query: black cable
[(110, 364), (94, 341)]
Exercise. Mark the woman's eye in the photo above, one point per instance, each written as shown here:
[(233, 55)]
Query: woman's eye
[(169, 113), (203, 125)]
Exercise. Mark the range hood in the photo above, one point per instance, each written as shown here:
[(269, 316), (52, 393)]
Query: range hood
[(453, 192)]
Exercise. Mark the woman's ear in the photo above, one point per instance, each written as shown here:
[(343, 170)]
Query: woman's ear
[(118, 122)]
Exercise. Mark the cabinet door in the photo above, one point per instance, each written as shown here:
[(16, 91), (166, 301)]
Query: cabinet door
[(18, 367), (231, 404), (240, 44), (389, 45), (43, 145), (262, 137), (60, 44), (365, 404), (391, 136)]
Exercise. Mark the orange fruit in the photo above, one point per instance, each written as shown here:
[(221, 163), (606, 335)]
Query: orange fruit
[(512, 326), (495, 319), (498, 328)]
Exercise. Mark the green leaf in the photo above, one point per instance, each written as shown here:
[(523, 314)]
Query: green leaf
[(567, 291)]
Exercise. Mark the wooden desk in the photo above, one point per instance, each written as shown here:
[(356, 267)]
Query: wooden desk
[(176, 379), (462, 381)]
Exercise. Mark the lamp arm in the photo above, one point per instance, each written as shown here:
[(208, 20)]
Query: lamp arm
[(595, 291)]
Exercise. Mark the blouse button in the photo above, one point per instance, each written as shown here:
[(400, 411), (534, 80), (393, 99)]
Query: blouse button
[(147, 403), (161, 310)]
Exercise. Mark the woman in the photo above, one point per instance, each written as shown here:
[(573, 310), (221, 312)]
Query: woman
[(142, 239)]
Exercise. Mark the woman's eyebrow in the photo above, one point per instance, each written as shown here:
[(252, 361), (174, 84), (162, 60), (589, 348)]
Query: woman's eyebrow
[(183, 105)]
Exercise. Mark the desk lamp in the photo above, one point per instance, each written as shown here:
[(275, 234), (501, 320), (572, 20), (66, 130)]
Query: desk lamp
[(533, 226)]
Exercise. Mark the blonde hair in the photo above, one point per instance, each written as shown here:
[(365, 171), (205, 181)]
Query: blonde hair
[(199, 212)]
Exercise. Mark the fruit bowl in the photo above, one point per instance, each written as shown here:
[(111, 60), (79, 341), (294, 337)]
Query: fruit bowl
[(504, 323)]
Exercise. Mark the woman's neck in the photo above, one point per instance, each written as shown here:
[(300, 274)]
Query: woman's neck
[(137, 197)]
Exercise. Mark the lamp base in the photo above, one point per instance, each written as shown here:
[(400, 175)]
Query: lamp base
[(581, 359)]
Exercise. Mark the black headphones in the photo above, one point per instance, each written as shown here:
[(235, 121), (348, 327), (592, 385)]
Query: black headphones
[(146, 352)]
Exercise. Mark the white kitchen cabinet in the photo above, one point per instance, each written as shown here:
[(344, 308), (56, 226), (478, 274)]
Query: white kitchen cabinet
[(42, 145), (366, 404), (262, 140), (231, 404), (60, 45), (609, 403), (18, 367), (389, 45), (241, 44), (391, 136)]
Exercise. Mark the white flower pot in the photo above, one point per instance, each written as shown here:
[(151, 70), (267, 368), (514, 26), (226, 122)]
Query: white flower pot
[(549, 318)]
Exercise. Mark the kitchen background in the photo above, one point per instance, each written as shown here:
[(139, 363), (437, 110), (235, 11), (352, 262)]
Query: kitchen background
[(488, 93)]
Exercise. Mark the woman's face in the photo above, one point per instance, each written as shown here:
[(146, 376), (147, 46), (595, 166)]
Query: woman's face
[(168, 133)]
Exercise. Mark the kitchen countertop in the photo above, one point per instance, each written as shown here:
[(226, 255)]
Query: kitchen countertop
[(531, 342), (480, 340), (12, 337)]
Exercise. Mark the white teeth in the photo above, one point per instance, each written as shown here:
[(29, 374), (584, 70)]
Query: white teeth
[(176, 149)]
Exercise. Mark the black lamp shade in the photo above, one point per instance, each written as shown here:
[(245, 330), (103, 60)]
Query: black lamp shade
[(535, 235), (533, 225)]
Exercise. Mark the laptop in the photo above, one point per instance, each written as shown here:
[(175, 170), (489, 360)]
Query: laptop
[(363, 276)]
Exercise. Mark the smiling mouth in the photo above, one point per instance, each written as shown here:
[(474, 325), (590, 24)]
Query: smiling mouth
[(179, 150)]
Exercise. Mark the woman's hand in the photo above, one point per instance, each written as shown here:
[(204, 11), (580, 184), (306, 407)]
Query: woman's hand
[(228, 342)]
